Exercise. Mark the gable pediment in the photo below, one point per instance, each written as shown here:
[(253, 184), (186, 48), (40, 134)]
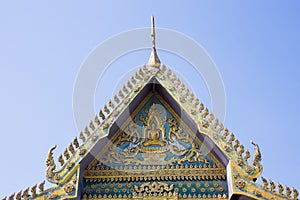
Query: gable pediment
[(155, 146), (156, 140)]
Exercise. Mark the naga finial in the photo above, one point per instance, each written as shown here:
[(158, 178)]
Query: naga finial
[(50, 163), (257, 155), (256, 162), (50, 160)]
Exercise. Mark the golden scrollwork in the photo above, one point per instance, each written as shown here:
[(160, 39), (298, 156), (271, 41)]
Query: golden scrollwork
[(155, 187)]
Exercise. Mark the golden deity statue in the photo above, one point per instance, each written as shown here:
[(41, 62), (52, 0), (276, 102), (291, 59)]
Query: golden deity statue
[(153, 136)]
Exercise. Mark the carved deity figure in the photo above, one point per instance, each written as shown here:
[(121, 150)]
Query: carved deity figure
[(154, 135)]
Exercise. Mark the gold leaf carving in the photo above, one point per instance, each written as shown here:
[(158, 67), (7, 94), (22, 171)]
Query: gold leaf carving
[(69, 188), (155, 187)]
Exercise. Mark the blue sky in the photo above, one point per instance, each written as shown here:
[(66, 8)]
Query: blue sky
[(43, 44)]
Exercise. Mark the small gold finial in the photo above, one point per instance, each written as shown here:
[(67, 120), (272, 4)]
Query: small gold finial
[(153, 60)]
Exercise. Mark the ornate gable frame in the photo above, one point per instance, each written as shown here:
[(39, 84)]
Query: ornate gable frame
[(240, 173)]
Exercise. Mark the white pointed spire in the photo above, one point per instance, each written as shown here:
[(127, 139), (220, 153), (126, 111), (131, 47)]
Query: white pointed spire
[(153, 60)]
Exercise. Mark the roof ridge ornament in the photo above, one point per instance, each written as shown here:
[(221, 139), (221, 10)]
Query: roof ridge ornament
[(153, 60)]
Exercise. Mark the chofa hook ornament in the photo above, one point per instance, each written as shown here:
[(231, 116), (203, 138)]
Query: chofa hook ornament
[(51, 166)]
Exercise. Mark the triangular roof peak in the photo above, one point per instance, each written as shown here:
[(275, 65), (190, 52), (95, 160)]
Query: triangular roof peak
[(241, 173)]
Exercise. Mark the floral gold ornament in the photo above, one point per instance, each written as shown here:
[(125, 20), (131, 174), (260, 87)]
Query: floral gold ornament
[(69, 188), (240, 183)]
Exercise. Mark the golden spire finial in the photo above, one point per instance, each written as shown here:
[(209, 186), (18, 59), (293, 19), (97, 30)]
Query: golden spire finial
[(153, 60)]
